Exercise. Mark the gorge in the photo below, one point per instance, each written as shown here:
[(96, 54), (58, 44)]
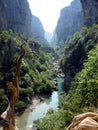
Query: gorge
[(76, 50)]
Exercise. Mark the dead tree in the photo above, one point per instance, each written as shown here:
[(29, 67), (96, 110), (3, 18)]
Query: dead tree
[(8, 115)]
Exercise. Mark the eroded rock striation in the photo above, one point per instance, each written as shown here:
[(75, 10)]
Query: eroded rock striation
[(85, 121), (90, 11), (70, 21), (15, 15)]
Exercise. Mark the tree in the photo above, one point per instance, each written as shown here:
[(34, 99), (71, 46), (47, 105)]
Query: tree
[(8, 115)]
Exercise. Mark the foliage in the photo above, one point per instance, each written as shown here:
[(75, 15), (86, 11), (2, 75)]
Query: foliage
[(55, 121), (86, 80), (76, 53), (60, 47), (4, 36), (36, 69), (83, 93), (3, 100), (20, 105), (80, 64)]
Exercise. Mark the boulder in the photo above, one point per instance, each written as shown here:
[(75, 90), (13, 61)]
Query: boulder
[(85, 121)]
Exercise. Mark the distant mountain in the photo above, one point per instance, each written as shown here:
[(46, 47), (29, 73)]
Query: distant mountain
[(48, 36), (51, 38), (54, 39), (70, 20), (37, 30)]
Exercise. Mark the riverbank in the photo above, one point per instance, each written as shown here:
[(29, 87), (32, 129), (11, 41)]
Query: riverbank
[(38, 109), (37, 100)]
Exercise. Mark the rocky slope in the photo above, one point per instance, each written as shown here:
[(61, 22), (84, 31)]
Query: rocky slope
[(70, 20), (90, 11)]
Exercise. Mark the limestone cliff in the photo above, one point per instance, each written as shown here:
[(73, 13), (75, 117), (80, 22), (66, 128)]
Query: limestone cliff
[(15, 15), (70, 20), (90, 11), (37, 30)]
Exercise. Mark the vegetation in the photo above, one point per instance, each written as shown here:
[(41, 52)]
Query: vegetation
[(87, 80), (54, 120), (76, 53), (80, 64), (8, 115), (36, 69)]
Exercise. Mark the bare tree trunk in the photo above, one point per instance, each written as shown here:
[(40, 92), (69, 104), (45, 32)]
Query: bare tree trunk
[(8, 115)]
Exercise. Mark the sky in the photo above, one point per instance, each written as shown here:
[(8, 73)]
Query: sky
[(48, 11)]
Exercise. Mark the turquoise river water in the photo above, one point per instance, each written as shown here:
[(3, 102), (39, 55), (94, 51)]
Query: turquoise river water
[(25, 121)]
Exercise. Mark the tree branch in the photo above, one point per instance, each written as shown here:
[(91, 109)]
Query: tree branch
[(8, 115)]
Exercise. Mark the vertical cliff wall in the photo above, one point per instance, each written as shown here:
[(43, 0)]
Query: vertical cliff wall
[(70, 21), (15, 15), (90, 11)]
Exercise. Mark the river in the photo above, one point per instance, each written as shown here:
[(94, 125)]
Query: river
[(25, 121)]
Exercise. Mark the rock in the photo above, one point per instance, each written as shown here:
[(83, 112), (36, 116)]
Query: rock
[(55, 82), (70, 21), (90, 11), (38, 30), (16, 128), (85, 121), (55, 88), (41, 99), (15, 15)]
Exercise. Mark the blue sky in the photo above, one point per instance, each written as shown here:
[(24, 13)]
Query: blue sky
[(48, 11)]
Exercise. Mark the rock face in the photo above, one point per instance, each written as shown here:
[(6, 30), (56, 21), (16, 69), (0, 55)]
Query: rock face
[(37, 27), (90, 11), (70, 21), (85, 121), (15, 15), (37, 30)]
